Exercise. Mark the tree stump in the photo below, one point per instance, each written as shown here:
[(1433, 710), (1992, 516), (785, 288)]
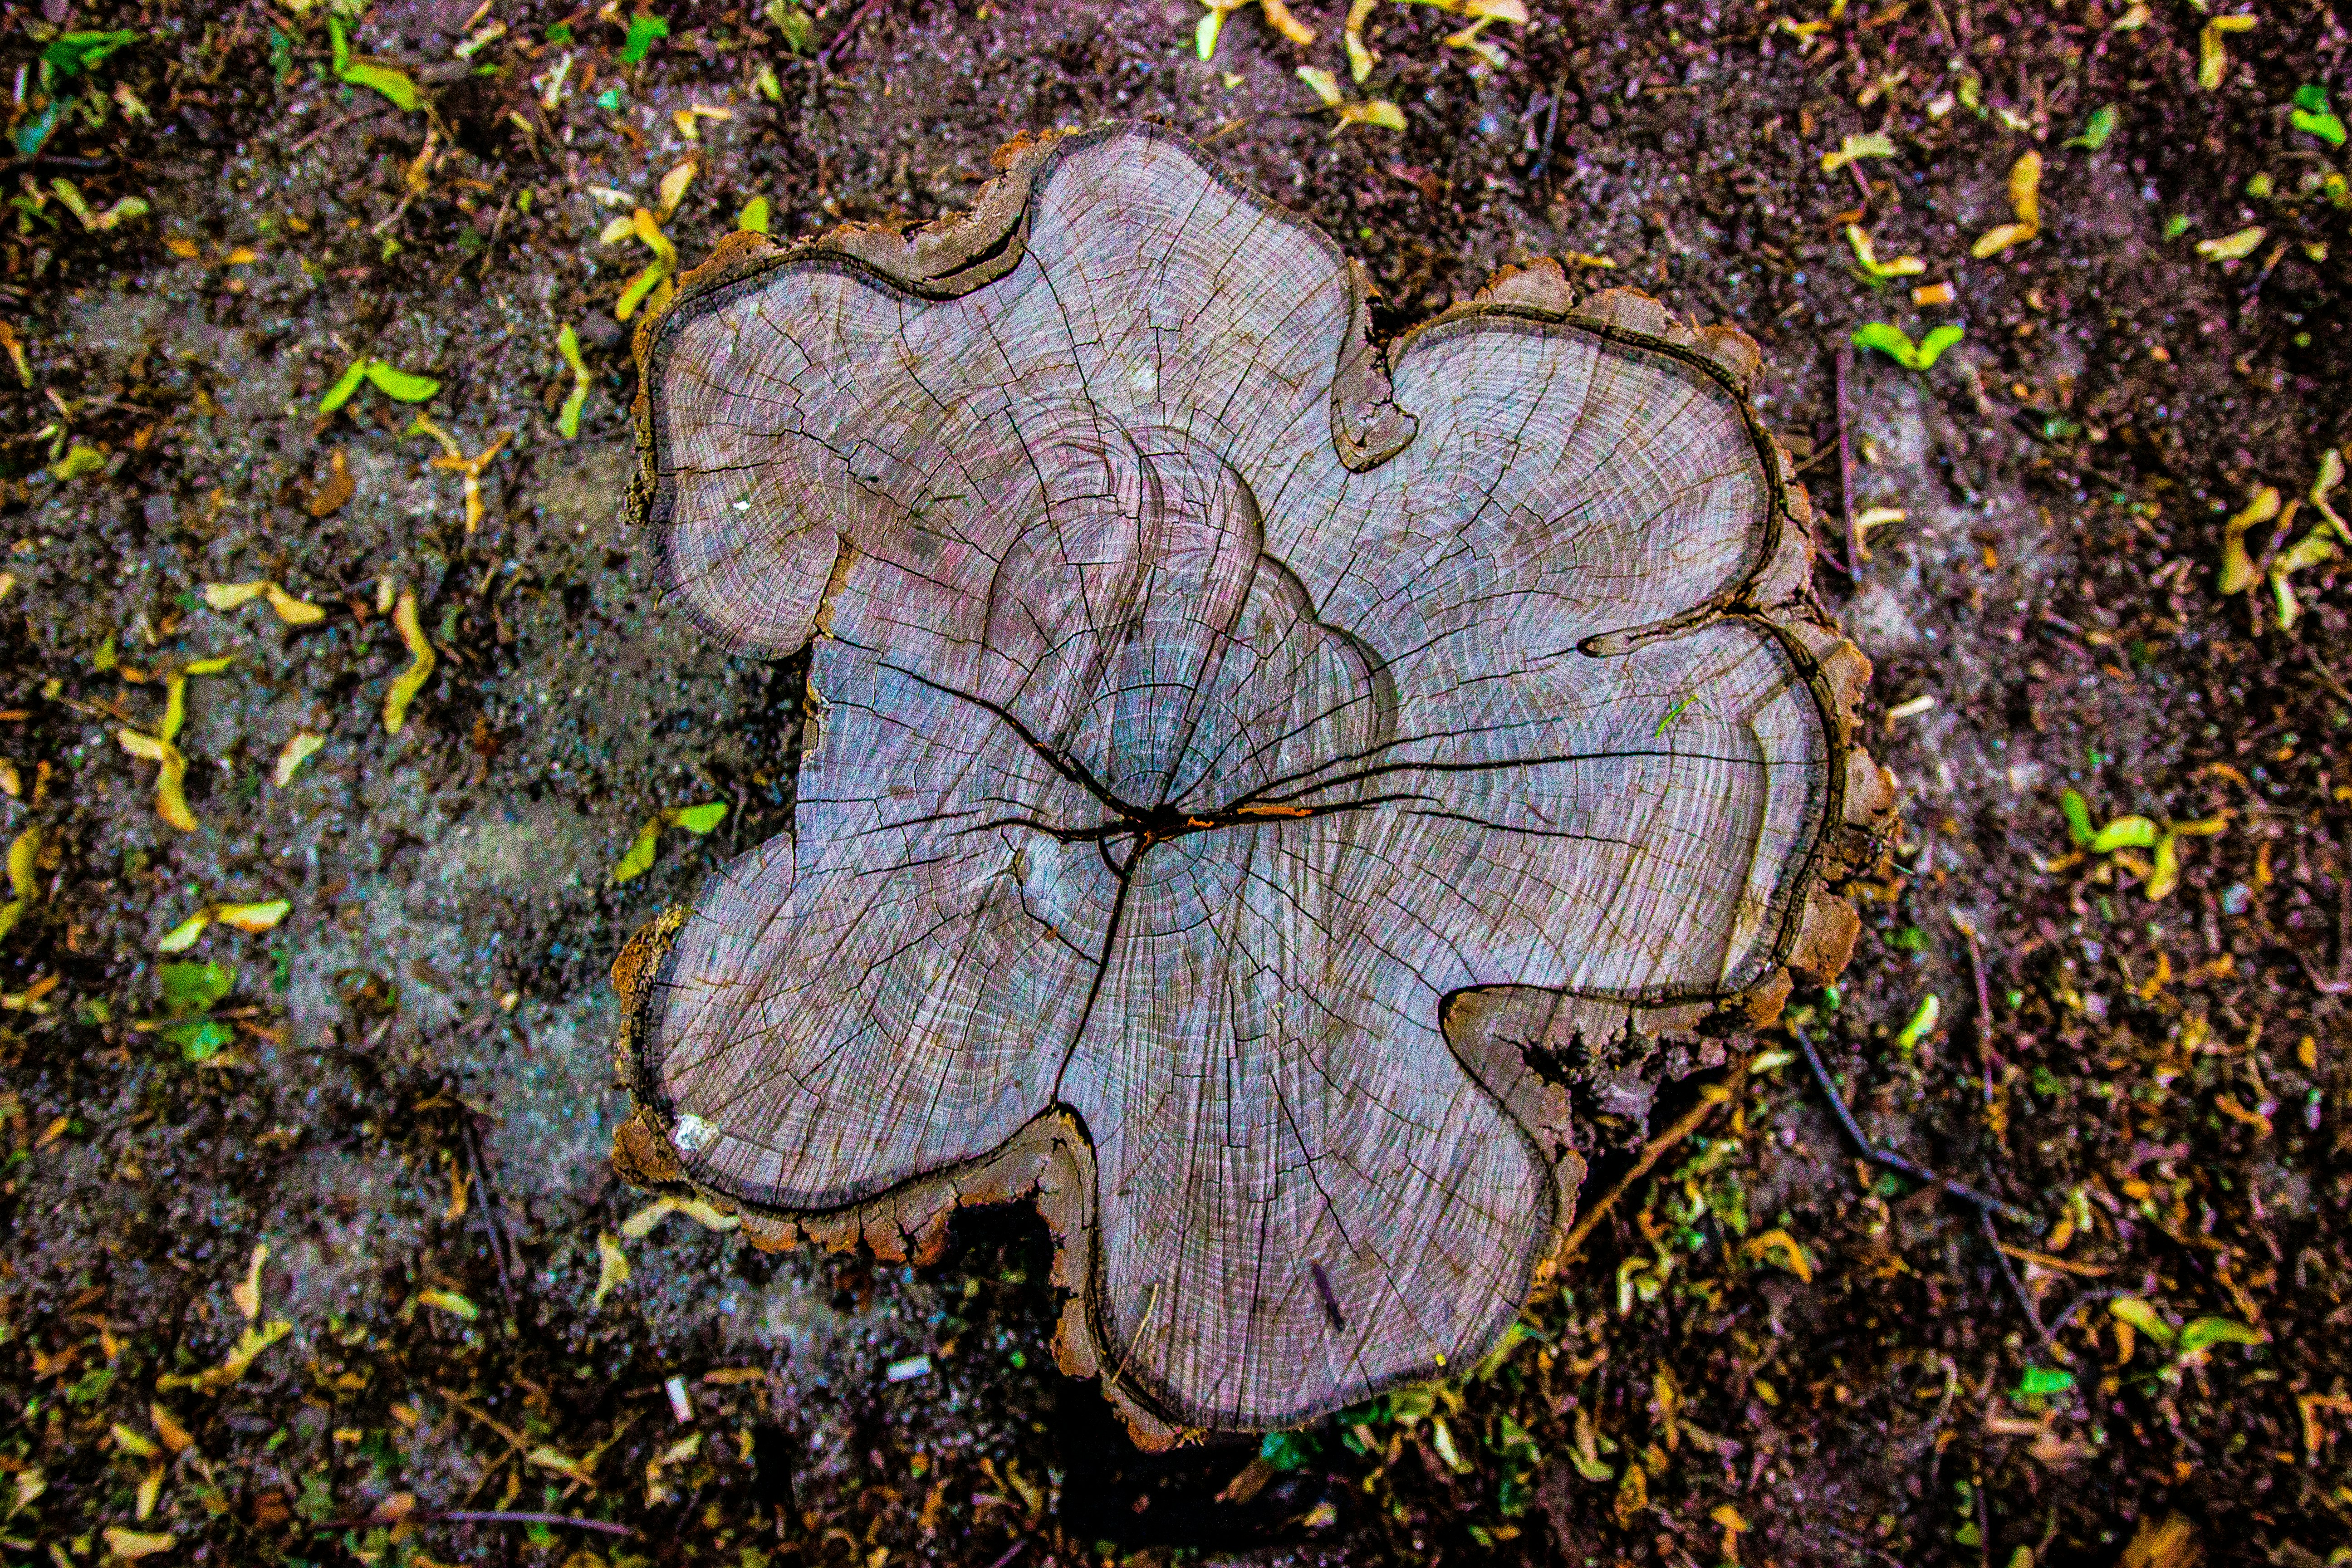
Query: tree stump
[(1238, 757)]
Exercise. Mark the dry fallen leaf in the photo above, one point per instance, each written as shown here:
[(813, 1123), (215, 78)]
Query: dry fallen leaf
[(2025, 201), (2231, 247), (340, 487), (410, 681), (2237, 572), (246, 1292), (293, 755), (612, 1267)]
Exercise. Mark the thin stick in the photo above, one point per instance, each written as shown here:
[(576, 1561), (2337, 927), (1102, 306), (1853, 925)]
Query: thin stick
[(1855, 554), (1984, 1003), (1690, 1122), (499, 1516), (848, 29), (1890, 1159), (2008, 1272), (488, 1198)]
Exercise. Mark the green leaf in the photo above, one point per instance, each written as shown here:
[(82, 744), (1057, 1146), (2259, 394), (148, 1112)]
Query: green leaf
[(754, 216), (1896, 344), (73, 53), (567, 422), (640, 857), (394, 85), (1922, 1024), (78, 462), (393, 382), (34, 134), (2077, 812), (701, 819), (2312, 97), (799, 27), (200, 1041), (643, 284), (2097, 130), (2203, 1333), (194, 987), (341, 393), (340, 43), (1287, 1450), (1932, 346), (559, 33), (642, 30), (2042, 1381), (2125, 833), (2318, 122)]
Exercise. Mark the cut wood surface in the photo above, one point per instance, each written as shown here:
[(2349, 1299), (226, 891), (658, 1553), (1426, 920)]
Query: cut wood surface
[(1238, 756)]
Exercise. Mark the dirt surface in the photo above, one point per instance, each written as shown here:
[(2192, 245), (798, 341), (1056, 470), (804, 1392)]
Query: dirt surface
[(1766, 1352)]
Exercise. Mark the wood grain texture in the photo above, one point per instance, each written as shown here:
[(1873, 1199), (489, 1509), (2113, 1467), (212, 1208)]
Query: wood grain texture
[(1234, 748)]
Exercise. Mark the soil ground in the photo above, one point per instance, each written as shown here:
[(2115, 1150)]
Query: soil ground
[(1768, 1352)]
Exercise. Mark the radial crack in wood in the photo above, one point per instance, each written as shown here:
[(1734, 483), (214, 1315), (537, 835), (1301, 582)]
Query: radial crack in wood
[(1240, 756)]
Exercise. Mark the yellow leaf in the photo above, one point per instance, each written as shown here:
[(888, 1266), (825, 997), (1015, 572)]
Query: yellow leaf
[(2025, 201), (649, 231), (2167, 875), (229, 595), (151, 1489), (1322, 83), (249, 1344), (1278, 17), (612, 1267), (252, 918), (1875, 144), (246, 1293), (2212, 54), (1779, 1246), (615, 231), (294, 612), (1866, 254), (175, 1437), (171, 803), (1377, 111), (129, 1545), (2025, 189), (24, 853), (2237, 572), (410, 681), (673, 187), (2231, 247), (451, 1302), (640, 1225), (293, 755), (551, 1459), (2311, 550), (1361, 60), (133, 1443)]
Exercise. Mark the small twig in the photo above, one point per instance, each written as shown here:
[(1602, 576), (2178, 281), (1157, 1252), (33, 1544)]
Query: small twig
[(487, 1197), (848, 30), (1010, 1552), (2066, 1318), (2008, 1272), (1890, 1159), (1854, 551), (1552, 129), (1984, 1003), (1652, 1153), (499, 1516), (329, 129)]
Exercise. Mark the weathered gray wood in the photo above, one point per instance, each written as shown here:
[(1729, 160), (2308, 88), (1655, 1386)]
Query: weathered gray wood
[(1233, 747)]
